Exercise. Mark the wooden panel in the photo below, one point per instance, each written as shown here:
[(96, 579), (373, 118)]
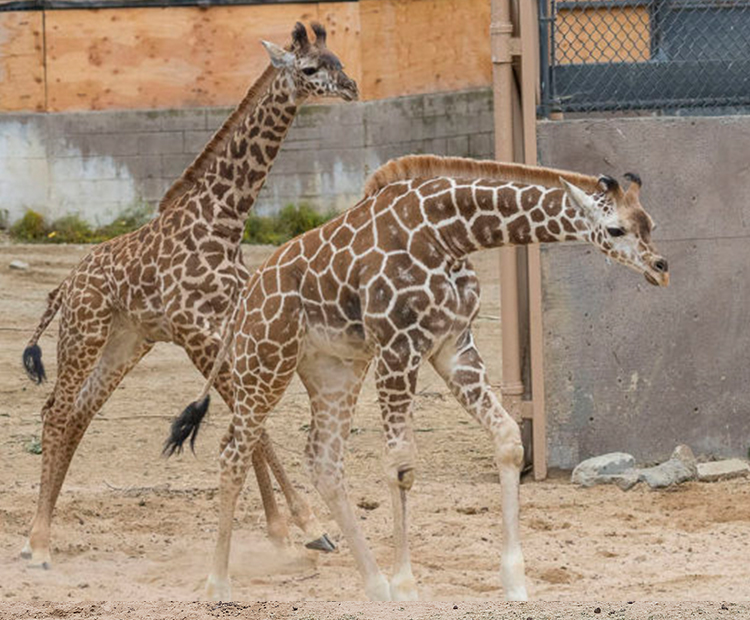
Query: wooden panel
[(416, 46), (603, 35), (155, 58), (342, 23), (21, 61)]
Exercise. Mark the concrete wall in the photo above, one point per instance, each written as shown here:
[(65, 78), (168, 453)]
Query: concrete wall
[(629, 366), (98, 164)]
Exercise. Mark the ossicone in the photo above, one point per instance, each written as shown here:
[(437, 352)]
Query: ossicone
[(633, 178), (320, 34), (299, 36), (607, 183)]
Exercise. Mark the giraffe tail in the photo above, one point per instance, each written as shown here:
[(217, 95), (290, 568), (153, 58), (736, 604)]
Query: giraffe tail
[(32, 354), (186, 425)]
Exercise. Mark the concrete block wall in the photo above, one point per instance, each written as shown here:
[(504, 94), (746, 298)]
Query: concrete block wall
[(630, 367), (99, 164)]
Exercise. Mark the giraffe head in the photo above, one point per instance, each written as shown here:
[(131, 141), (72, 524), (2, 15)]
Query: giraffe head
[(619, 226), (313, 68)]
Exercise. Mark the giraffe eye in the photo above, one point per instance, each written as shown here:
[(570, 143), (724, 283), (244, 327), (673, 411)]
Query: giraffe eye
[(616, 232), (310, 70)]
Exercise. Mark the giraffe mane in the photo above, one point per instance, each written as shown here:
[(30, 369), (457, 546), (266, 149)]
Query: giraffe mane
[(428, 166), (218, 141)]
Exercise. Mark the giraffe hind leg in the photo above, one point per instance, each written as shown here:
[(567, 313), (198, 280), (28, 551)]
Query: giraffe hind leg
[(79, 346), (203, 358), (122, 351), (333, 386)]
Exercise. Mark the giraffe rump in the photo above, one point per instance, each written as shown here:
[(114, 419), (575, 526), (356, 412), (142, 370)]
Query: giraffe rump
[(186, 426), (428, 166)]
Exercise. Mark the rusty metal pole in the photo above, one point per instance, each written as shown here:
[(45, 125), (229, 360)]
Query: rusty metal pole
[(501, 42)]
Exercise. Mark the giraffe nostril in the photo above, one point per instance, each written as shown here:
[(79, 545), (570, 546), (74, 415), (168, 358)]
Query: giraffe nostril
[(661, 265)]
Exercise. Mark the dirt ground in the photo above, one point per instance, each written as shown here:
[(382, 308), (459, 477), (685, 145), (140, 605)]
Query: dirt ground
[(132, 526)]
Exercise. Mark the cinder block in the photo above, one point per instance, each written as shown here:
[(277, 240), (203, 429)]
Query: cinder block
[(143, 166), (179, 120), (196, 141), (108, 144), (152, 190), (166, 143), (457, 146), (172, 166), (481, 145), (215, 117)]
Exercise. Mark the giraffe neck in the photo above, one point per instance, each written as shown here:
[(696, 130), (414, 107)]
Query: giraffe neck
[(225, 191), (470, 216)]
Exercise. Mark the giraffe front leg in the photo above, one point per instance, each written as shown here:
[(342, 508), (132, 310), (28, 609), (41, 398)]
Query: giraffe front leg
[(462, 368)]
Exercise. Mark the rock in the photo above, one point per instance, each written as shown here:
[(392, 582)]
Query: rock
[(626, 480), (722, 470), (684, 454), (591, 471), (674, 471), (19, 264)]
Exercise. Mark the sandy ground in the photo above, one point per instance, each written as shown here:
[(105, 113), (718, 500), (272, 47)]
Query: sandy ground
[(132, 526)]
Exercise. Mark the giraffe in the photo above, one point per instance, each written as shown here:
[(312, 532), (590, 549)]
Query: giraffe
[(175, 278), (389, 283)]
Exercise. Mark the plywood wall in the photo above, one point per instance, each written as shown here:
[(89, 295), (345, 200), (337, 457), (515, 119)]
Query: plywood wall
[(416, 46), (21, 62), (187, 56), (156, 58), (176, 57)]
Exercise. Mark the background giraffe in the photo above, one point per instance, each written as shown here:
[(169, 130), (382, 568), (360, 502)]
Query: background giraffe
[(175, 278), (389, 283)]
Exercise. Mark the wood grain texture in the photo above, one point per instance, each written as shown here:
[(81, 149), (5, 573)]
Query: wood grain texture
[(21, 62), (157, 58), (417, 46), (189, 56)]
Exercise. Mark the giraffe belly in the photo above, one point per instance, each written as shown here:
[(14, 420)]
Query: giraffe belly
[(336, 343)]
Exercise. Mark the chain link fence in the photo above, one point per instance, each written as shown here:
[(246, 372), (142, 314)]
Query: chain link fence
[(670, 55)]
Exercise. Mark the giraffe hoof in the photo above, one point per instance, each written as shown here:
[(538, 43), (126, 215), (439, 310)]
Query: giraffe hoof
[(26, 552), (218, 589), (404, 588), (323, 544)]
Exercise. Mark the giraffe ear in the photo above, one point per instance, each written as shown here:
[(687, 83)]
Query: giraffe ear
[(579, 199), (279, 56)]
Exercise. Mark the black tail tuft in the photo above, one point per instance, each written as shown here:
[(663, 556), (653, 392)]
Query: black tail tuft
[(186, 426), (32, 362)]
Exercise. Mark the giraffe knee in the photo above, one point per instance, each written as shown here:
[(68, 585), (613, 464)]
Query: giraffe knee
[(508, 444), (328, 483), (406, 479), (399, 466)]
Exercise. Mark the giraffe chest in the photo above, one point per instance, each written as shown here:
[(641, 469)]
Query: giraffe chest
[(181, 283)]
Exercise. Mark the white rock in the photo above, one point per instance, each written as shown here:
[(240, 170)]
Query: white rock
[(722, 470), (588, 472), (19, 264)]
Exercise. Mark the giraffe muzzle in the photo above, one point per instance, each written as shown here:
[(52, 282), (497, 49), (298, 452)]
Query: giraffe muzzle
[(660, 275)]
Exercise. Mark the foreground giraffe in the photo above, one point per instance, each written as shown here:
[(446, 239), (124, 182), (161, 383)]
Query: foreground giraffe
[(175, 279), (389, 282)]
